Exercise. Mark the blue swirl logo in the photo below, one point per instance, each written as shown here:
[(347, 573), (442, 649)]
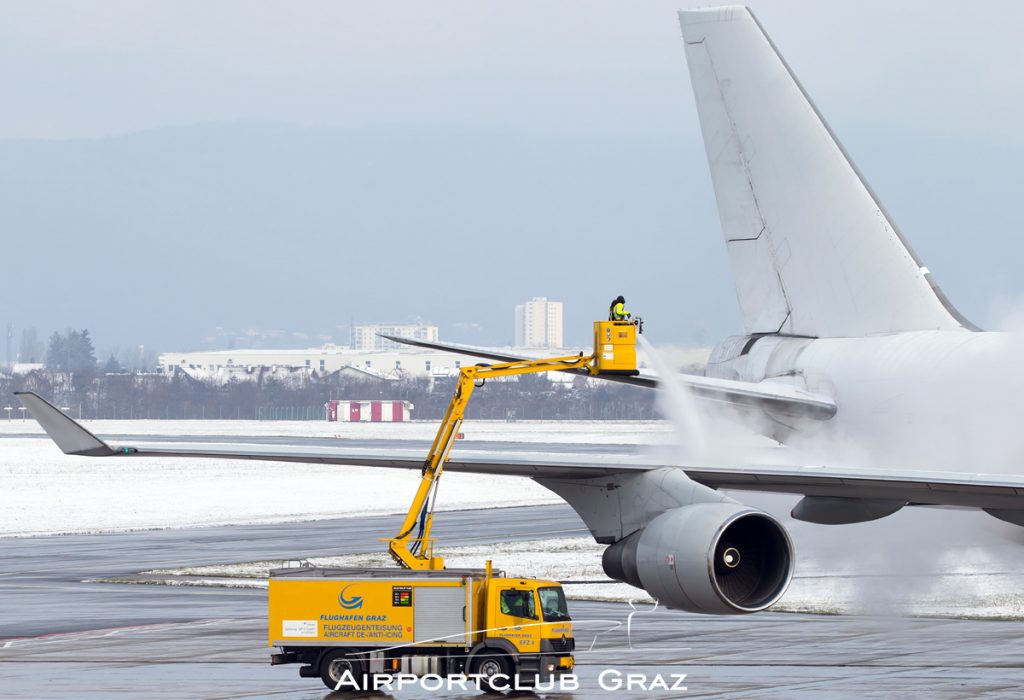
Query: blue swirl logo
[(349, 603)]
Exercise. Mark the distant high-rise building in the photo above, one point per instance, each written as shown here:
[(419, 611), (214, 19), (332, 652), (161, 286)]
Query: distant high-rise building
[(539, 324), (366, 336)]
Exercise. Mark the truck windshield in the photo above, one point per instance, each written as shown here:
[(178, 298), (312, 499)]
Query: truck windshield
[(552, 604)]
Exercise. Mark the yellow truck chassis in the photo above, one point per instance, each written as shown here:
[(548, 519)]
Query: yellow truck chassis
[(356, 628)]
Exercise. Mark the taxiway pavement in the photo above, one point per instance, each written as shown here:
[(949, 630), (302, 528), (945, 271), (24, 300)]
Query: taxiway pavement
[(62, 637)]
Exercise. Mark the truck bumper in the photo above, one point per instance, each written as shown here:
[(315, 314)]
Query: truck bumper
[(285, 657), (544, 668)]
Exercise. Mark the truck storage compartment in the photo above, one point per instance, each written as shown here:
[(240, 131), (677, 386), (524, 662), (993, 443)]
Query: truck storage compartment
[(440, 614), (311, 606)]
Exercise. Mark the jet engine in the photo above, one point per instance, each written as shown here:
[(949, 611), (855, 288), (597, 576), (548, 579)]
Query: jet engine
[(718, 558)]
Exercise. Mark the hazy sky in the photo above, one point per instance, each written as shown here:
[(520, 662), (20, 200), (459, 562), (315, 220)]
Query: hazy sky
[(304, 164)]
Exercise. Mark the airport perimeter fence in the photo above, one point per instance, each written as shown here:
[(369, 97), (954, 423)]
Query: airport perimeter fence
[(581, 411), (150, 397), (191, 412)]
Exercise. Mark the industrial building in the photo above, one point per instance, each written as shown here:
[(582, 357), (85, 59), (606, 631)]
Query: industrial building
[(386, 364), (538, 324), (367, 336)]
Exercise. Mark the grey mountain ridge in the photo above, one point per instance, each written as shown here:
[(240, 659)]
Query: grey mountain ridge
[(160, 236)]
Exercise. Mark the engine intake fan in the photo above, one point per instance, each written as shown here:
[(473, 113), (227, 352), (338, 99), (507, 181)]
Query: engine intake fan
[(719, 558)]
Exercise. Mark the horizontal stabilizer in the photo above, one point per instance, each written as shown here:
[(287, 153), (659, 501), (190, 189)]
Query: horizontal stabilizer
[(782, 399)]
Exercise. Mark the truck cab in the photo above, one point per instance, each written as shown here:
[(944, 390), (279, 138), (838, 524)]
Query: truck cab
[(530, 619)]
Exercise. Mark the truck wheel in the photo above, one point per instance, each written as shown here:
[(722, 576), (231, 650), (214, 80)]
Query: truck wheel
[(333, 666), (487, 666)]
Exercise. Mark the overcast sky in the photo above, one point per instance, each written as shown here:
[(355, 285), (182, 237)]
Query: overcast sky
[(305, 164)]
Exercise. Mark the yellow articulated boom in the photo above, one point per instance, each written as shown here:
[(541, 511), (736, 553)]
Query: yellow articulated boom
[(417, 552), (614, 353)]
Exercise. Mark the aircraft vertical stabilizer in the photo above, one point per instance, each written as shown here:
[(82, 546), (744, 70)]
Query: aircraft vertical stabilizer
[(813, 252)]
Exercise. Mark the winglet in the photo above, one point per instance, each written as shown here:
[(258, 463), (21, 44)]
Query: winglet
[(70, 437)]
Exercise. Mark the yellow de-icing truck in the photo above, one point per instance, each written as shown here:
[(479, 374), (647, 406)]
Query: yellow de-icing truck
[(356, 627)]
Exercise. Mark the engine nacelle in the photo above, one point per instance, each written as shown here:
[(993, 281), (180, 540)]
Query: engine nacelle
[(718, 558)]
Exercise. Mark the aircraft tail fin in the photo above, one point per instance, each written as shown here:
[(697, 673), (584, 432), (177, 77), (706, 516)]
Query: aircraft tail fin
[(813, 252)]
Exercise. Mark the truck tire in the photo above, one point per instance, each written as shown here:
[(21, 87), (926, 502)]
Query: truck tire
[(333, 665), (487, 665)]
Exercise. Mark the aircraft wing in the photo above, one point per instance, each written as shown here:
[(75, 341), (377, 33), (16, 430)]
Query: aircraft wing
[(782, 399), (987, 491)]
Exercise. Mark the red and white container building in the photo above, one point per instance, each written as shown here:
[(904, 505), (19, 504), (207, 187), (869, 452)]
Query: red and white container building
[(368, 411)]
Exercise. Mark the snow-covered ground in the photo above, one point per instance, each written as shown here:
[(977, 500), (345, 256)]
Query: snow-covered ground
[(919, 561), (47, 492), (569, 432), (560, 559), (964, 582)]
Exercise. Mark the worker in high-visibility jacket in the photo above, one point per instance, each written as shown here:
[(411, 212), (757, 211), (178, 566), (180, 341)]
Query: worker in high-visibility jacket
[(617, 311)]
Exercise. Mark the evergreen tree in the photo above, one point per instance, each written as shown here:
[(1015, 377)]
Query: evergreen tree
[(112, 366), (71, 352), (83, 353), (56, 355)]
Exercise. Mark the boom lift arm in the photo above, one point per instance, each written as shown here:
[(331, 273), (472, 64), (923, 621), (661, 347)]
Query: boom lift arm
[(417, 552), (614, 353)]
